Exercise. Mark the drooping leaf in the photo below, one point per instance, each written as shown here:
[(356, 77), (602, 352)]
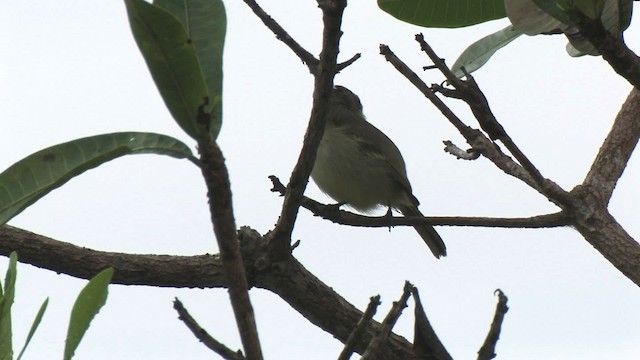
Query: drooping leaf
[(89, 302), (6, 301), (34, 326), (205, 22), (444, 13), (36, 175), (173, 62), (478, 53)]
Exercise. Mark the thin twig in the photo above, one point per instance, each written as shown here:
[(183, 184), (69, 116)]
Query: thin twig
[(424, 89), (202, 335), (488, 349), (282, 35), (323, 85), (343, 65), (342, 217), (479, 105), (478, 139), (356, 334), (468, 91), (216, 179), (387, 324)]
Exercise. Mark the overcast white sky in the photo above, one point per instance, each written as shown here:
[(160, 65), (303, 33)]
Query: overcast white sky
[(71, 69)]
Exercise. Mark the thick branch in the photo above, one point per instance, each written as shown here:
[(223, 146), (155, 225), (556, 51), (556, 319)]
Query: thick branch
[(316, 301), (591, 218), (153, 270), (616, 150), (325, 308), (332, 17)]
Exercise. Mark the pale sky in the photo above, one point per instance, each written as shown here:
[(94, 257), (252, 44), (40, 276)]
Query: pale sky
[(71, 69)]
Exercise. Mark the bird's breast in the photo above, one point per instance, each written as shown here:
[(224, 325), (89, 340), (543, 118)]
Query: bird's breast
[(350, 173)]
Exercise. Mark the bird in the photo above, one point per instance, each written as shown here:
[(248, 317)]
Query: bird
[(358, 165)]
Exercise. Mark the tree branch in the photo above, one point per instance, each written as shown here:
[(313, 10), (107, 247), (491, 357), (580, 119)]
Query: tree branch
[(307, 294), (373, 350), (470, 92), (342, 217), (585, 206), (589, 215), (332, 18), (356, 334), (476, 138), (202, 335), (282, 35), (426, 343), (216, 178), (488, 349), (612, 48), (617, 148), (152, 270)]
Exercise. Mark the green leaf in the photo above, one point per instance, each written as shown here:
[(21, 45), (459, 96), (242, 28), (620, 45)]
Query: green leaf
[(478, 53), (205, 22), (90, 300), (556, 9), (444, 13), (626, 9), (529, 18), (34, 326), (6, 301), (173, 62), (31, 178)]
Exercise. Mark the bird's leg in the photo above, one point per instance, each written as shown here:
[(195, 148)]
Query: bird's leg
[(389, 216)]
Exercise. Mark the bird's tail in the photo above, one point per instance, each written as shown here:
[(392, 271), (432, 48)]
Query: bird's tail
[(427, 232)]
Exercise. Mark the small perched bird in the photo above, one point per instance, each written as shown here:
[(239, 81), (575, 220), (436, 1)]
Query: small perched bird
[(360, 166)]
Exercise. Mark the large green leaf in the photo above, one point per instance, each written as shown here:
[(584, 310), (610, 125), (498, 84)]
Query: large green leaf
[(171, 57), (478, 53), (444, 13), (34, 326), (6, 301), (206, 25), (90, 300), (36, 175)]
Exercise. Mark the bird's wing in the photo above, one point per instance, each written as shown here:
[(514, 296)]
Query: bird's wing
[(390, 154)]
